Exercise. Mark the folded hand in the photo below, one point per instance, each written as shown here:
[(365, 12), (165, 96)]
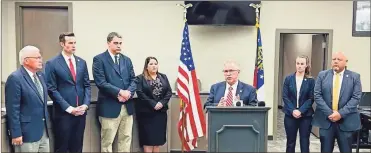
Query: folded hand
[(17, 141), (222, 102), (296, 113), (335, 116), (158, 106)]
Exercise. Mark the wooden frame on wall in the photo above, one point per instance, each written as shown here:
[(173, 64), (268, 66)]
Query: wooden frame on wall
[(361, 19)]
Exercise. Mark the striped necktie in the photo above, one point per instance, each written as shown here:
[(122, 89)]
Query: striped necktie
[(38, 87), (229, 97)]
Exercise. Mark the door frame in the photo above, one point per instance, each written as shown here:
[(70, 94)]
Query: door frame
[(18, 18), (278, 62)]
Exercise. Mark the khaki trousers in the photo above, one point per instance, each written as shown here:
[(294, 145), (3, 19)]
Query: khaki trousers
[(39, 146), (122, 125)]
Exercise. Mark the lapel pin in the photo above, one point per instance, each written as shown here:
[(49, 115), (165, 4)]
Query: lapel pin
[(240, 90), (346, 75), (78, 60), (305, 79)]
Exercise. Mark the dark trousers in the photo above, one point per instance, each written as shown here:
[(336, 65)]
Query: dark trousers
[(343, 138), (292, 125), (69, 133)]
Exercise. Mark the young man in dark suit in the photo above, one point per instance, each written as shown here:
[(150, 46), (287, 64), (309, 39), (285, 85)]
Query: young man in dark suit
[(115, 78), (69, 88)]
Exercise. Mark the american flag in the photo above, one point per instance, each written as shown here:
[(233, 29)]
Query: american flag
[(187, 89), (259, 70)]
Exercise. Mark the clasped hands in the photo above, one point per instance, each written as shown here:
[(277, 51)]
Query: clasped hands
[(124, 95), (80, 110), (223, 101), (158, 106), (296, 113), (335, 116)]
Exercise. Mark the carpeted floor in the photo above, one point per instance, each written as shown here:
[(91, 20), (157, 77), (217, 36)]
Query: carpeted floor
[(279, 145)]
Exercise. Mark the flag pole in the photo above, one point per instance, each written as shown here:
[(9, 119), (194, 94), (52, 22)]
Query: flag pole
[(257, 7), (183, 123), (182, 104)]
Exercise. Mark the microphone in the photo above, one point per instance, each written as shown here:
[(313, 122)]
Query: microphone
[(261, 104), (238, 103)]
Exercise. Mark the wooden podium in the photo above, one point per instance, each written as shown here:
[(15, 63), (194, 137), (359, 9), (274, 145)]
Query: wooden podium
[(237, 129)]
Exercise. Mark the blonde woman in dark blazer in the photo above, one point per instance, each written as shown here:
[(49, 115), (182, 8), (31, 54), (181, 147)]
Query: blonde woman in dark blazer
[(154, 92)]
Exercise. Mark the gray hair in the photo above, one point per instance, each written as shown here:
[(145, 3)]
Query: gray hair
[(234, 63), (112, 35), (26, 51)]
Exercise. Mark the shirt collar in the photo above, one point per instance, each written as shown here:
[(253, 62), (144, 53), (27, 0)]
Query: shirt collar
[(66, 57), (113, 56), (341, 73), (234, 86), (29, 73)]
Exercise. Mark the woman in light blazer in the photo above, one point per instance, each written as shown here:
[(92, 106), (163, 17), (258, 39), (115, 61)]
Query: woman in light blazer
[(154, 93), (298, 99)]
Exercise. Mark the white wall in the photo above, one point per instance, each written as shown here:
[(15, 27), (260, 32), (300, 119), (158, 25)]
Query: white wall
[(159, 32)]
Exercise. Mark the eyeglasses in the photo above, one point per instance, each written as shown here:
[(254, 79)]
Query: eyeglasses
[(230, 71), (39, 57)]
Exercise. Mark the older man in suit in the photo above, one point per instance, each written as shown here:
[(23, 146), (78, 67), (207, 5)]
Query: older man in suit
[(230, 91), (337, 93), (69, 88), (26, 104), (114, 76)]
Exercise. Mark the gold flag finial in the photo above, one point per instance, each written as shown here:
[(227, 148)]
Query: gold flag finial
[(185, 7)]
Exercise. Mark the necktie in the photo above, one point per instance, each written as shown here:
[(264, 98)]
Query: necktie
[(72, 70), (229, 97), (73, 73), (335, 93), (38, 87), (116, 60)]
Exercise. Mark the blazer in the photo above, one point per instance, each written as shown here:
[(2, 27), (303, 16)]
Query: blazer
[(146, 100), (246, 92), (350, 95), (306, 97), (109, 80), (26, 110), (62, 89)]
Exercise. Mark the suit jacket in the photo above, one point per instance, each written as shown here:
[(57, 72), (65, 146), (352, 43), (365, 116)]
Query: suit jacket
[(247, 94), (62, 89), (147, 100), (109, 80), (26, 110), (350, 94), (306, 97)]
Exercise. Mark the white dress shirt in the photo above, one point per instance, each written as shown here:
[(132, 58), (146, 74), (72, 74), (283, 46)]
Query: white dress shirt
[(299, 81), (234, 86), (340, 80)]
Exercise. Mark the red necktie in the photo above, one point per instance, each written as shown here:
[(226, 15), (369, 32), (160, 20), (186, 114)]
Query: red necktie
[(229, 97), (73, 73)]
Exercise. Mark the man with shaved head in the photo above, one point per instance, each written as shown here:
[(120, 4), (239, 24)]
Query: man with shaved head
[(337, 93), (26, 106), (230, 91)]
